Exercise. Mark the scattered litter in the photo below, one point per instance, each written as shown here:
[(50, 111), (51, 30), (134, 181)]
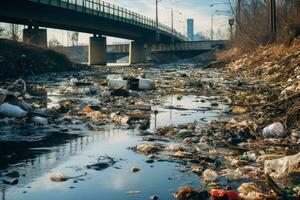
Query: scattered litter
[(135, 169), (102, 163), (188, 193), (209, 175), (283, 167)]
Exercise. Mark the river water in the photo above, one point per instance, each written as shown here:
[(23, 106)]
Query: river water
[(36, 161)]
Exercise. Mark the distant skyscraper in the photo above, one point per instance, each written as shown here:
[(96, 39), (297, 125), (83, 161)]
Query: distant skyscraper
[(190, 29)]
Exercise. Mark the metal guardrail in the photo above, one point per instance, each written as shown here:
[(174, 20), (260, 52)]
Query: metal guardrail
[(111, 11)]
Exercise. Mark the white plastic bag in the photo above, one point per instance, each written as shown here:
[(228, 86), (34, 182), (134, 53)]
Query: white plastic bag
[(282, 167), (40, 120), (274, 130), (10, 110), (209, 175)]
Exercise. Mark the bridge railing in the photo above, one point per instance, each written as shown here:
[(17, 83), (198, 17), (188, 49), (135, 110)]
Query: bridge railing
[(111, 11)]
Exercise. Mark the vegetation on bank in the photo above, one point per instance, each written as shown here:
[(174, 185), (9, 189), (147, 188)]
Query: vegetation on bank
[(18, 59)]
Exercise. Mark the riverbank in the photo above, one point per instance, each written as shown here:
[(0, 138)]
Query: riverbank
[(196, 131), (19, 60)]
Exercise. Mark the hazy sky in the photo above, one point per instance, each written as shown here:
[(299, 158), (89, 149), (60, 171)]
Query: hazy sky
[(199, 10)]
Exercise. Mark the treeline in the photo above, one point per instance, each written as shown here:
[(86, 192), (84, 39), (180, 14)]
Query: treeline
[(253, 22)]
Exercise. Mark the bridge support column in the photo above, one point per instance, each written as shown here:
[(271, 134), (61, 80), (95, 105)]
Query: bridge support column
[(35, 36), (137, 52), (97, 50)]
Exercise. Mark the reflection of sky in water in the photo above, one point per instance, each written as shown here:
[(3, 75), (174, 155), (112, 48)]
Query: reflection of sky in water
[(167, 117), (110, 183)]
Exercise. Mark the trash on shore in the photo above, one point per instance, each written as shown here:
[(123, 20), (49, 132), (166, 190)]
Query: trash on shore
[(60, 177), (188, 193), (283, 167)]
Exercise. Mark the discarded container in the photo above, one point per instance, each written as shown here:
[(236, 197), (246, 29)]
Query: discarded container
[(58, 177), (274, 130), (224, 194), (115, 77), (117, 84), (209, 175), (40, 120), (146, 84), (9, 110), (282, 167)]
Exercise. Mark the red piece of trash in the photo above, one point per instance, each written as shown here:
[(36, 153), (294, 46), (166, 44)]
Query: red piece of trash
[(217, 194)]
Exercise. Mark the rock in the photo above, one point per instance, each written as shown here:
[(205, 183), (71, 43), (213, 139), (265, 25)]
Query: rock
[(13, 174), (135, 169), (283, 167), (13, 181), (154, 197), (274, 130), (58, 177)]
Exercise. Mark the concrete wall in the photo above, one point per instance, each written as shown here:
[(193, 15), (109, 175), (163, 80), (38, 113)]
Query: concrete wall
[(97, 51), (35, 36)]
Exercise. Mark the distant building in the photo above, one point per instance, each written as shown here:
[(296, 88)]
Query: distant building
[(190, 29), (199, 37)]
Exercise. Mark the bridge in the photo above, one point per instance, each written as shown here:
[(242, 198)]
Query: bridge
[(89, 16), (117, 51), (100, 19)]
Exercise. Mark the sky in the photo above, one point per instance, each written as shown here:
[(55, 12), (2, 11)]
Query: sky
[(200, 10)]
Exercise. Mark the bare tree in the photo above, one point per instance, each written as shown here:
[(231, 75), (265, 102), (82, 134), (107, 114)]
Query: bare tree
[(14, 32), (54, 43), (73, 37), (253, 22)]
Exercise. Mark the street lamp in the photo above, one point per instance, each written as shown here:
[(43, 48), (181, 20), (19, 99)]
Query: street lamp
[(212, 22), (212, 18)]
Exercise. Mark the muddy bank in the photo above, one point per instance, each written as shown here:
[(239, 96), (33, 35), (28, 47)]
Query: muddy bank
[(18, 60)]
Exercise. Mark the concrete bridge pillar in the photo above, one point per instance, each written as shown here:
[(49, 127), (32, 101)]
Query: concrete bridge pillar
[(35, 36), (97, 50), (137, 52)]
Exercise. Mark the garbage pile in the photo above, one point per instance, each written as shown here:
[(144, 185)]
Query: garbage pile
[(14, 108)]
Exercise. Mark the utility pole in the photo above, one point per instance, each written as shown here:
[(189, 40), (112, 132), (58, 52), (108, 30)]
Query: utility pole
[(273, 20), (211, 27), (238, 15), (172, 20), (157, 33)]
